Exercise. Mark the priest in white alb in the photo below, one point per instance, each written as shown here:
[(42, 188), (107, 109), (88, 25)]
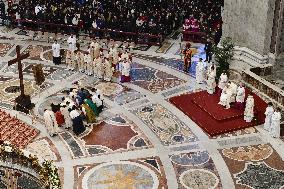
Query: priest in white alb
[(222, 82), (50, 122), (268, 116), (249, 110), (240, 98), (275, 123), (125, 68), (56, 53), (199, 71), (211, 79), (71, 43)]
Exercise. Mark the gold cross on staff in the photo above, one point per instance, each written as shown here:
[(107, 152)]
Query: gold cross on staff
[(18, 60)]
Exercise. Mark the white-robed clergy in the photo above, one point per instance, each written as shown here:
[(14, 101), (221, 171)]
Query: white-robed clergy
[(249, 114), (97, 48), (200, 71), (233, 88), (100, 67), (125, 69), (89, 64), (275, 123), (211, 79), (68, 60), (80, 61), (50, 122), (225, 97), (66, 114), (108, 71), (268, 115), (223, 81), (71, 43), (56, 52), (241, 93)]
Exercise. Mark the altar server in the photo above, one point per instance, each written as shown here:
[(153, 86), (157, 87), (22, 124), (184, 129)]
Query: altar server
[(249, 114), (199, 71), (268, 116), (211, 79), (56, 52), (71, 43), (275, 123)]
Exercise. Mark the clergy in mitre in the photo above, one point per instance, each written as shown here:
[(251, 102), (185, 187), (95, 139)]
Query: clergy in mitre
[(222, 82), (71, 43), (249, 110), (225, 97), (268, 116), (56, 52), (275, 123), (240, 98), (211, 79), (199, 71), (50, 122)]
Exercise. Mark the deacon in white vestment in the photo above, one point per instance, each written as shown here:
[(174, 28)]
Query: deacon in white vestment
[(108, 70), (233, 87), (199, 71), (223, 81), (275, 123), (68, 60), (249, 113), (225, 97), (268, 116), (71, 43), (211, 79), (56, 52), (50, 122), (100, 67), (89, 64)]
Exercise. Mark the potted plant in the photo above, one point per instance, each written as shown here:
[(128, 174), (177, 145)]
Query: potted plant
[(223, 54)]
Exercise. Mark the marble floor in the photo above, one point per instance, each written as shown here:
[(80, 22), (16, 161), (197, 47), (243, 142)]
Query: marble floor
[(142, 141)]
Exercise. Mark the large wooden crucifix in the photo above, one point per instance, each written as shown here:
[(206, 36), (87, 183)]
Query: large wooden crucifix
[(18, 60)]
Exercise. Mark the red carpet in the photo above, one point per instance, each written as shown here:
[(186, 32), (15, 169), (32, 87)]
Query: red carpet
[(204, 110)]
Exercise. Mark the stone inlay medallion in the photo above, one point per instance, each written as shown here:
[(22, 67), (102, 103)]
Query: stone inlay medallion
[(124, 174), (199, 179), (109, 89)]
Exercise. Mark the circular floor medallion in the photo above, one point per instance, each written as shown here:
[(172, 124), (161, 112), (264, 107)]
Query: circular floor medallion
[(120, 175), (199, 179)]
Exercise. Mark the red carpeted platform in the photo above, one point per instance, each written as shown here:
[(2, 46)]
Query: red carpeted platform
[(204, 110)]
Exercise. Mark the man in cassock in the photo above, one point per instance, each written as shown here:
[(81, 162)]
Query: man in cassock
[(50, 122), (208, 50), (56, 53)]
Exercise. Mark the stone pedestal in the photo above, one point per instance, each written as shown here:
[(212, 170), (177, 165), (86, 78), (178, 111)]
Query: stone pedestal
[(24, 104)]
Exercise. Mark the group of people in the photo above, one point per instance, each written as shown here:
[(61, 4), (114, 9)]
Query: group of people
[(78, 109), (145, 16), (272, 120), (96, 61), (231, 93)]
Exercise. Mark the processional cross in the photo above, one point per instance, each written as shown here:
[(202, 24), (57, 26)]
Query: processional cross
[(18, 60)]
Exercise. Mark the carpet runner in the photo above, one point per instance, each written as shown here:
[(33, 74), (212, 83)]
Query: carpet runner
[(15, 131), (204, 110)]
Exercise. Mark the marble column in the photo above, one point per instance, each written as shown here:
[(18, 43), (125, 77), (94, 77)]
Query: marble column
[(249, 23)]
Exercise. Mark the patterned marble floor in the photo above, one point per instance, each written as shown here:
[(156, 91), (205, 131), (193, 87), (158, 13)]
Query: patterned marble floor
[(141, 141)]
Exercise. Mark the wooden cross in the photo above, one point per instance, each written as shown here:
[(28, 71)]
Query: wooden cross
[(18, 60)]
